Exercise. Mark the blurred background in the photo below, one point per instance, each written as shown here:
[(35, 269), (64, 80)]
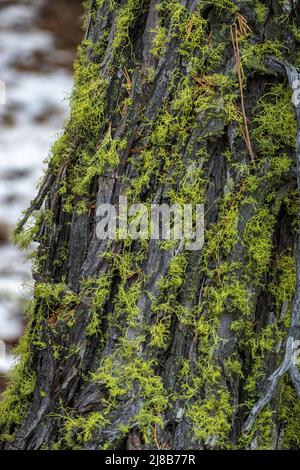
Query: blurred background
[(38, 42)]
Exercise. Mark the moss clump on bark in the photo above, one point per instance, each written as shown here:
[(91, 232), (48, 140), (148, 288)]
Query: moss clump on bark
[(211, 313), (16, 398)]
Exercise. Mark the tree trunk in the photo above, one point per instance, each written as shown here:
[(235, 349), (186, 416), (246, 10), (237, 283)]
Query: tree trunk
[(144, 344)]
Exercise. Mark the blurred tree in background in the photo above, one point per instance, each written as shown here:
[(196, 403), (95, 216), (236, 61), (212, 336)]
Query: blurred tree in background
[(142, 344)]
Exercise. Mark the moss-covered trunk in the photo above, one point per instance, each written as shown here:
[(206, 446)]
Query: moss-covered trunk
[(142, 344)]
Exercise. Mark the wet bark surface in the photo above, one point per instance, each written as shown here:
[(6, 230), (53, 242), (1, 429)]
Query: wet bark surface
[(68, 392)]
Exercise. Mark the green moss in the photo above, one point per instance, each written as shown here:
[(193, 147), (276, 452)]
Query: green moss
[(54, 295), (198, 105), (87, 111), (280, 166), (89, 89), (155, 404), (261, 11), (292, 206), (211, 419), (16, 398), (233, 366), (146, 165), (258, 239), (60, 151), (79, 430), (22, 238), (127, 15), (289, 416), (295, 31), (261, 434), (126, 303), (284, 281), (159, 41), (134, 372), (223, 235), (230, 296), (275, 122), (160, 333), (253, 55), (166, 305), (176, 274), (149, 75), (259, 345), (105, 158), (100, 290), (126, 369), (231, 289), (220, 5), (188, 26)]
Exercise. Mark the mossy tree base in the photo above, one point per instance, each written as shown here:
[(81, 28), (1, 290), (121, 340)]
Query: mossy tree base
[(142, 345)]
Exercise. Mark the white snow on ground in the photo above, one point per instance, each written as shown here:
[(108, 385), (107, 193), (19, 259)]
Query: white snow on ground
[(24, 145)]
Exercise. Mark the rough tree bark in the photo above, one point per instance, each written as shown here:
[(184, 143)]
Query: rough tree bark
[(143, 344)]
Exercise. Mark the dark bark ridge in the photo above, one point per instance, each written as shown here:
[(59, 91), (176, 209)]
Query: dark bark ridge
[(144, 345)]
